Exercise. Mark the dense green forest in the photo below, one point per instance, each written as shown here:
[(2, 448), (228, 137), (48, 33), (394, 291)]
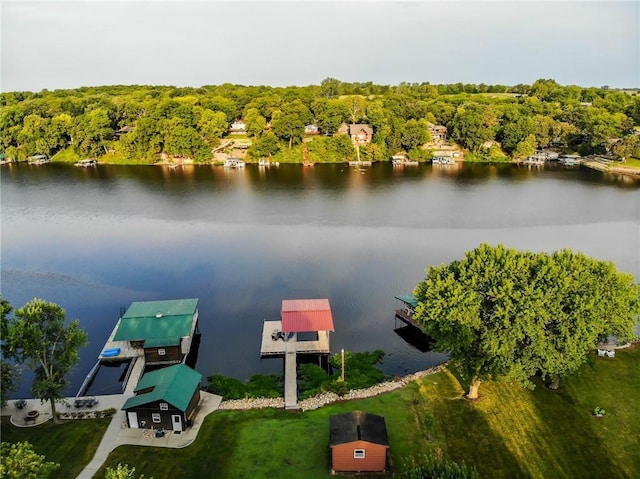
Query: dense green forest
[(147, 124)]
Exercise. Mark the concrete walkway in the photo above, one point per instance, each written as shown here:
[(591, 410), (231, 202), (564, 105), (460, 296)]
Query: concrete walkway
[(119, 434)]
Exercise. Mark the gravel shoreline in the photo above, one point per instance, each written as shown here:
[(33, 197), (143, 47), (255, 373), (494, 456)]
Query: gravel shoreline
[(328, 397)]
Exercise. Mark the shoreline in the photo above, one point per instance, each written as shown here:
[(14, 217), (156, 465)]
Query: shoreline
[(328, 397)]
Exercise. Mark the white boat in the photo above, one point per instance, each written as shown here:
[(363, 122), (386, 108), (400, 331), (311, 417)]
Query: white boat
[(399, 159), (570, 160), (89, 162), (234, 163), (38, 160), (263, 162), (442, 160)]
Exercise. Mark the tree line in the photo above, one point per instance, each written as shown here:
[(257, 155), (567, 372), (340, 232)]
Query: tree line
[(141, 123)]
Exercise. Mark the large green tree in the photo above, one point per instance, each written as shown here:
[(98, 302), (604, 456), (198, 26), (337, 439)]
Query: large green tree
[(499, 312), (38, 337), (8, 371), (20, 461), (474, 124)]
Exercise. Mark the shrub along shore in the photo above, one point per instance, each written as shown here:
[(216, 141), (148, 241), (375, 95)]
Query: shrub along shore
[(328, 397)]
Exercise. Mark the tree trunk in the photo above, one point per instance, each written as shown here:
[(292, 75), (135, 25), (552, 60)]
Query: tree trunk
[(473, 388), (555, 382), (53, 411)]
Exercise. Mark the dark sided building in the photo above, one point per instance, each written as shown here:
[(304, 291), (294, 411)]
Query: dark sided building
[(165, 398)]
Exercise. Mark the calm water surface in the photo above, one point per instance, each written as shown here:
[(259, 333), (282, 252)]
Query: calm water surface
[(94, 240)]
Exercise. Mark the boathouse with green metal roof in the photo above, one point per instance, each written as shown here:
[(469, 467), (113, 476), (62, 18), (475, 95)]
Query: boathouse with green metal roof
[(407, 310), (163, 329), (165, 398)]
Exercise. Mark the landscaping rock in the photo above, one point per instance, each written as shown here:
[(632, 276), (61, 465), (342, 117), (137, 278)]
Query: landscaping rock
[(325, 398)]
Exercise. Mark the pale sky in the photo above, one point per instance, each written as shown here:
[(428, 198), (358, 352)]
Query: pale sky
[(64, 44)]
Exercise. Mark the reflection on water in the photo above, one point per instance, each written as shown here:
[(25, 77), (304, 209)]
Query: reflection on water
[(414, 337), (96, 239)]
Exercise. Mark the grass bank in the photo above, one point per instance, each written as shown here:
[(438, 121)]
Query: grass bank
[(71, 444), (511, 432)]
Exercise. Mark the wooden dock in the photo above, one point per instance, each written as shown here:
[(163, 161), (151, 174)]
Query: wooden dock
[(280, 347), (402, 315), (289, 348), (126, 351), (134, 375), (290, 381)]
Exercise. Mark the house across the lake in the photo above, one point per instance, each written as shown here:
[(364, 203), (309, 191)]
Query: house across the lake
[(438, 133), (238, 126), (165, 399), (358, 442), (360, 133)]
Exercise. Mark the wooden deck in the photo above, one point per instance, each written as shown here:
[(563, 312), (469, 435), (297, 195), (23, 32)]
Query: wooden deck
[(290, 381), (280, 347), (402, 315), (135, 375), (289, 349), (126, 351)]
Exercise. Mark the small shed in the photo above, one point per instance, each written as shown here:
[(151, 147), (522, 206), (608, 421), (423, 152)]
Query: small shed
[(165, 398), (358, 442)]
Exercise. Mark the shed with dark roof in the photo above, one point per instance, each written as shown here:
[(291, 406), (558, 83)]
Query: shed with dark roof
[(358, 442)]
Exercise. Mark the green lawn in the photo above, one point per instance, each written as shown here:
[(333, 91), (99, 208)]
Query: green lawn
[(632, 162), (511, 432), (71, 444)]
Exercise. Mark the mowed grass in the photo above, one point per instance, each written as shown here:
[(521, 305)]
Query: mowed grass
[(71, 444), (270, 443), (511, 432), (515, 432)]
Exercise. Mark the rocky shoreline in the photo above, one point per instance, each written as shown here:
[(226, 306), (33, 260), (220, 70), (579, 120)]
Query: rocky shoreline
[(328, 397)]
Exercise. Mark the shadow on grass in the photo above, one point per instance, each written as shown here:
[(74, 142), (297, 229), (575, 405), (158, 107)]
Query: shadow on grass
[(72, 444), (577, 450), (208, 456), (468, 436)]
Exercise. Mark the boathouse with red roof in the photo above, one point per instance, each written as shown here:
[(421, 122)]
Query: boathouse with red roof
[(306, 315)]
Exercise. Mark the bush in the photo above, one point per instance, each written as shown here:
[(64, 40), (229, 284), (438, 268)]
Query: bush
[(338, 387), (259, 385), (264, 386), (228, 388), (312, 376), (432, 467), (360, 371), (110, 412)]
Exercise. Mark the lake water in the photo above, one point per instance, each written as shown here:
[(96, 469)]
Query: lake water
[(94, 240)]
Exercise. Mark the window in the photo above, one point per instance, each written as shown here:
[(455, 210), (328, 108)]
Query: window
[(358, 454), (161, 352), (164, 406), (155, 417)]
